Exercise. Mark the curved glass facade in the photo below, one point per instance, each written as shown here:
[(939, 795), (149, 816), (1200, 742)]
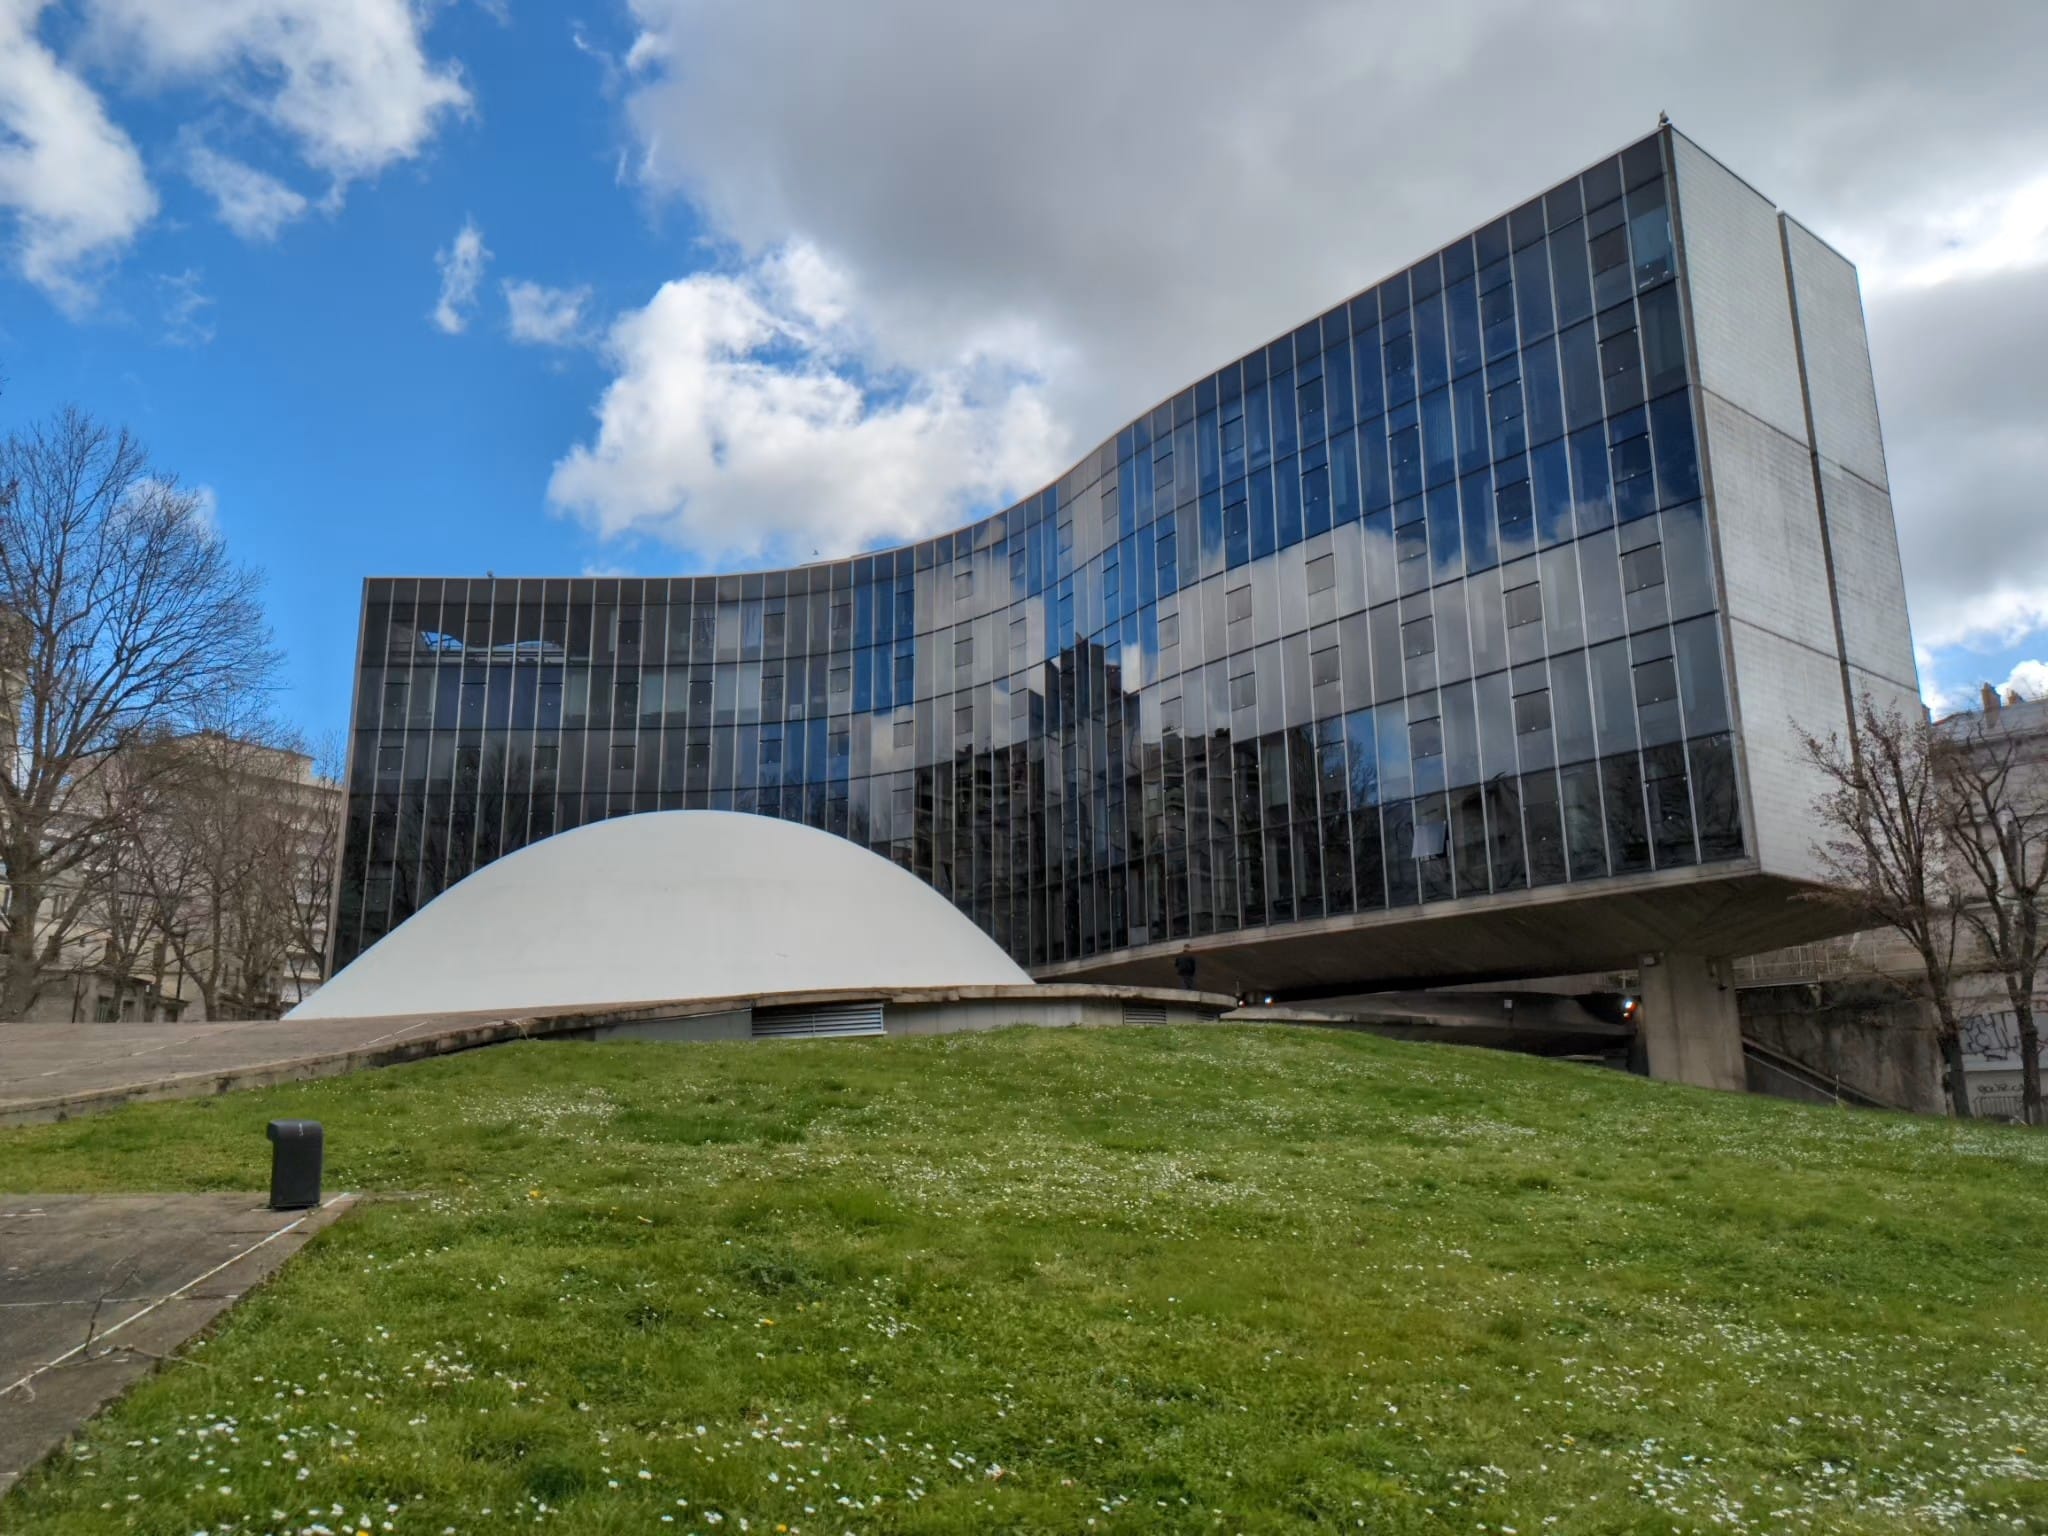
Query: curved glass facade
[(1414, 604)]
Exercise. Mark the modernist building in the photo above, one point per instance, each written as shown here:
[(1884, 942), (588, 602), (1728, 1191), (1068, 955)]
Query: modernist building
[(1465, 631)]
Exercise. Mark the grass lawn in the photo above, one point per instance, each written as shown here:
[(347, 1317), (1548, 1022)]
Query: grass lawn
[(1204, 1280)]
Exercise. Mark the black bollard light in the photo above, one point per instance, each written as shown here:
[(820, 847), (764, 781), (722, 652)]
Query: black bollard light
[(296, 1150)]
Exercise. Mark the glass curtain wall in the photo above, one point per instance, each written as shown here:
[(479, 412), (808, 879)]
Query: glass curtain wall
[(1413, 604)]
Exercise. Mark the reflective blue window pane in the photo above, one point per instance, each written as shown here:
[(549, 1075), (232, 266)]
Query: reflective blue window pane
[(1570, 275), (1258, 428), (1404, 446), (1532, 291), (1308, 402), (1649, 230), (1497, 317), (1515, 513), (1555, 519), (1579, 357), (1475, 495), (1281, 401), (1678, 461), (1432, 365), (1592, 486), (1545, 407), (1439, 440), (1462, 301), (1315, 500), (1237, 528), (1346, 501), (1375, 467), (1339, 401), (1444, 553), (1287, 513), (1371, 390), (1263, 532), (1508, 429), (1468, 410), (1397, 352), (1663, 340)]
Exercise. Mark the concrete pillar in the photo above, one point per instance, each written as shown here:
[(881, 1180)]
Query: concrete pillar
[(1688, 1023)]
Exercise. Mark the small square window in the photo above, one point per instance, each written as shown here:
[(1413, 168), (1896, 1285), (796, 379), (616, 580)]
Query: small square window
[(390, 759), (1238, 603), (1643, 568), (622, 757), (899, 797), (1525, 605), (963, 720), (771, 693), (468, 763), (906, 733), (700, 694), (1432, 839), (544, 761), (1426, 738), (1243, 691), (1169, 714), (771, 628), (1323, 667), (1418, 636), (629, 631), (1532, 712), (963, 650), (963, 582), (1018, 631), (1322, 574), (1169, 630), (1656, 682), (842, 680)]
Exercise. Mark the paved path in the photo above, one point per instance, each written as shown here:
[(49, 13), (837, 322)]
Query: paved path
[(58, 1071), (96, 1289)]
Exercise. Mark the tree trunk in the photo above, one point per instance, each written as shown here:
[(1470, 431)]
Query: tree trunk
[(2030, 1061), (24, 957), (1952, 1054)]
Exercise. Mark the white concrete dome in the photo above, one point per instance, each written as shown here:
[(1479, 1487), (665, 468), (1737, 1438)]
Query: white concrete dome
[(665, 906)]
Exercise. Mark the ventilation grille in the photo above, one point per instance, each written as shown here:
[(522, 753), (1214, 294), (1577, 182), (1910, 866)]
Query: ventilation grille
[(813, 1023), (1144, 1013)]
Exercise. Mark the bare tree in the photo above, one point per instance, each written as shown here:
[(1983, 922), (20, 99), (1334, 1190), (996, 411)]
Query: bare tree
[(218, 852), (121, 618), (1995, 811), (315, 828), (1882, 849)]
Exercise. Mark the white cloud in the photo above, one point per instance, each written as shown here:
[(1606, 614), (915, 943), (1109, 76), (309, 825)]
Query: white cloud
[(461, 265), (2003, 229), (746, 420), (2029, 680), (348, 80), (70, 178), (185, 303), (544, 316), (253, 203)]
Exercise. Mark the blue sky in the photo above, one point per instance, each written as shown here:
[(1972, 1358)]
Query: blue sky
[(826, 279)]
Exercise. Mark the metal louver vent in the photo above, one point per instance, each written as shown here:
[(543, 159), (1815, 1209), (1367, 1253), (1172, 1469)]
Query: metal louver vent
[(1144, 1013), (813, 1023)]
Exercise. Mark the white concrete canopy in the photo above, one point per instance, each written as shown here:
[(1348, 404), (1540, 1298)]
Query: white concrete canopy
[(664, 906)]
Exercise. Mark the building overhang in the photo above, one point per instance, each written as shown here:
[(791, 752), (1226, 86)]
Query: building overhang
[(1720, 911)]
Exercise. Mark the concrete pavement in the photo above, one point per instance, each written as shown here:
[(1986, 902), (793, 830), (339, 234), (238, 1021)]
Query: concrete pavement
[(96, 1289)]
